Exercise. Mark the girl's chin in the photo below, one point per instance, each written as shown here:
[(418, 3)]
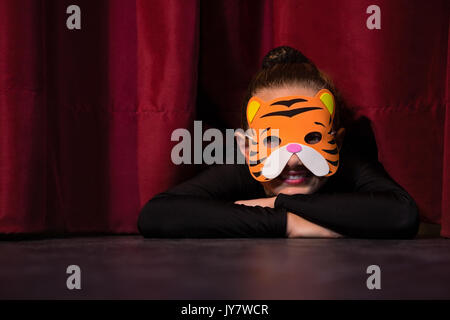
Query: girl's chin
[(294, 189)]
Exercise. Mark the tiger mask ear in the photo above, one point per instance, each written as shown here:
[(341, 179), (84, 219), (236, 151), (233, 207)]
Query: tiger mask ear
[(252, 108), (327, 99)]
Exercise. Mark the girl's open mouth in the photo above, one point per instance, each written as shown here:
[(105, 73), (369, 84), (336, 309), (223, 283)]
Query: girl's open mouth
[(295, 176)]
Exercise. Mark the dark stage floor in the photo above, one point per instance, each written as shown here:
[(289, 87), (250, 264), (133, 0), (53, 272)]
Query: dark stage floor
[(125, 267)]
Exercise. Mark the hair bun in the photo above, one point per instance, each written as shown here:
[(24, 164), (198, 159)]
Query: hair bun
[(285, 55)]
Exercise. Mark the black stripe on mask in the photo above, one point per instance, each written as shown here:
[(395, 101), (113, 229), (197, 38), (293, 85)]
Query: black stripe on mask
[(333, 151), (290, 113), (288, 103)]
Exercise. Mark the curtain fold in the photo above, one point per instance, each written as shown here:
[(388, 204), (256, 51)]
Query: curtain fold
[(167, 37), (445, 222), (86, 116), (23, 170)]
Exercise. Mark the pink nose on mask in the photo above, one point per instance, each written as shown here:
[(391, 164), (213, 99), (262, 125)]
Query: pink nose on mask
[(293, 147)]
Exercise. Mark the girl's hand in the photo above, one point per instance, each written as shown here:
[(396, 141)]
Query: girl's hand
[(297, 227), (263, 202)]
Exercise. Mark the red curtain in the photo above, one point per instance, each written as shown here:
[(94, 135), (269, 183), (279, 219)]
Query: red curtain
[(86, 115)]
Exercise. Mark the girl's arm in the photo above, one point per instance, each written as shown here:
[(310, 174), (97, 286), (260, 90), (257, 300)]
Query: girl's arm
[(296, 226), (203, 207), (376, 208)]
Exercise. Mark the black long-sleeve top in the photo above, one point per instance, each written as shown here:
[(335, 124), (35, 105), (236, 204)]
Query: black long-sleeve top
[(359, 201)]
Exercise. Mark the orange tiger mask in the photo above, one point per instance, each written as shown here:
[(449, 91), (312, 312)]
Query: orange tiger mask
[(285, 126)]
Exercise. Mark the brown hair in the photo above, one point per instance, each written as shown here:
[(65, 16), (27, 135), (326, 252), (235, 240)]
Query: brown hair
[(286, 66)]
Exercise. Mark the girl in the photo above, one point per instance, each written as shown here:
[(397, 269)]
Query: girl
[(297, 198)]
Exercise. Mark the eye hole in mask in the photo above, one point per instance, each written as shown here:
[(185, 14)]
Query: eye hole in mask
[(271, 141), (313, 137)]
